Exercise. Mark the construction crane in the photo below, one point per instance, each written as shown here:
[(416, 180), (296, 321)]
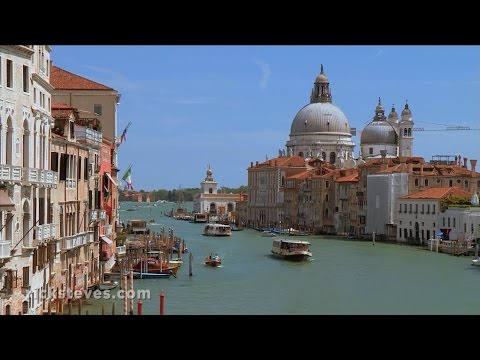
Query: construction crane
[(446, 127)]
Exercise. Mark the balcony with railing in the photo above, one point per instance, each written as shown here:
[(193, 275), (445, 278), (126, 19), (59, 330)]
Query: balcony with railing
[(5, 247), (10, 173), (97, 215), (73, 241), (45, 232), (40, 177), (87, 135)]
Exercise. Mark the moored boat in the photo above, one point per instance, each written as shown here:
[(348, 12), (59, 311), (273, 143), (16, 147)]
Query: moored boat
[(295, 250)]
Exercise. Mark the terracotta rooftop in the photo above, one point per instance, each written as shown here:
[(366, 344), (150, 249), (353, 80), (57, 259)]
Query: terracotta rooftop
[(437, 193), (302, 175), (349, 178), (297, 161), (61, 111), (65, 80)]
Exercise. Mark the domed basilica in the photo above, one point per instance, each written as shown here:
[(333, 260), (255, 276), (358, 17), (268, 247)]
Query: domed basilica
[(320, 129), (396, 137)]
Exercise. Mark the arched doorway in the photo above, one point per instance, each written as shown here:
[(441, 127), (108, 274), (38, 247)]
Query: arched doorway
[(230, 207), (213, 208), (7, 310)]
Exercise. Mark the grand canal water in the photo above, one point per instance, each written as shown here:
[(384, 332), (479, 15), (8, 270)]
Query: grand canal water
[(345, 276)]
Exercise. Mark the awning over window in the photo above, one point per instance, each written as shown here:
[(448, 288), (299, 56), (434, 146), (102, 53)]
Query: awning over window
[(106, 239), (111, 179), (5, 203)]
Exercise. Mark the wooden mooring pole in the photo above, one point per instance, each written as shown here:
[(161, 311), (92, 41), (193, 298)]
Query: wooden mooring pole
[(162, 303), (190, 260), (139, 307)]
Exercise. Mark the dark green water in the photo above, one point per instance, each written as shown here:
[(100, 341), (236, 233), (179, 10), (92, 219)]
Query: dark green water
[(344, 277)]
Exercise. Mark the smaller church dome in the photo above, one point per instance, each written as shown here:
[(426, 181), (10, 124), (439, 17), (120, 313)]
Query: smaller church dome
[(378, 132), (406, 111), (393, 116)]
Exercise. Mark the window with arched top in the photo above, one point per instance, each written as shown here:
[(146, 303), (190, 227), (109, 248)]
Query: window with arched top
[(332, 158), (300, 153), (24, 307), (405, 132), (7, 310)]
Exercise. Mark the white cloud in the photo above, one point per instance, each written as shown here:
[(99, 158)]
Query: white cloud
[(266, 72)]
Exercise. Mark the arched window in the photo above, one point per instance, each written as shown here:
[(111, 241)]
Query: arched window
[(409, 132), (416, 182), (324, 156), (405, 132), (300, 153), (7, 310), (332, 158), (25, 307), (326, 213), (426, 182)]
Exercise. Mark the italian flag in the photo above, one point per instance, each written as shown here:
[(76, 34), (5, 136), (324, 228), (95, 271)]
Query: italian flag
[(127, 177)]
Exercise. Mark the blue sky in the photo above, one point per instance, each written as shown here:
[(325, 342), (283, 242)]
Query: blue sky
[(229, 105)]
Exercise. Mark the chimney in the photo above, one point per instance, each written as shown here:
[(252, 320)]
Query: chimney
[(384, 165), (465, 162), (473, 163), (256, 164), (251, 163)]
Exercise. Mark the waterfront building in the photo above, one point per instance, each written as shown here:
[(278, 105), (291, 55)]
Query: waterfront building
[(268, 191), (27, 228), (320, 129), (96, 104), (461, 223), (382, 198), (72, 147), (345, 216), (210, 201), (419, 217)]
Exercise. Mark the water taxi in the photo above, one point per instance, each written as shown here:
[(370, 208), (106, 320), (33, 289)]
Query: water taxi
[(217, 230), (295, 250), (213, 260)]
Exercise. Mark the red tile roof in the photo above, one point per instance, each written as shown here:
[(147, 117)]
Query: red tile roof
[(349, 178), (302, 175), (61, 111), (284, 161), (437, 193), (65, 80)]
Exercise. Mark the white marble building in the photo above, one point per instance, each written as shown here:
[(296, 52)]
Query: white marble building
[(209, 201), (27, 235)]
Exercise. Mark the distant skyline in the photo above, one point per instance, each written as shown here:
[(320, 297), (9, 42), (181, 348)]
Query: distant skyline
[(227, 106)]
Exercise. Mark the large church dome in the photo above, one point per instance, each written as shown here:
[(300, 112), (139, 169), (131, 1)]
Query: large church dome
[(320, 118), (320, 129)]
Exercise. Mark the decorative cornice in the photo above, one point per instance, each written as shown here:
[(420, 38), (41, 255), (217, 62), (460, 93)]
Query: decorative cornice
[(25, 49), (45, 84)]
